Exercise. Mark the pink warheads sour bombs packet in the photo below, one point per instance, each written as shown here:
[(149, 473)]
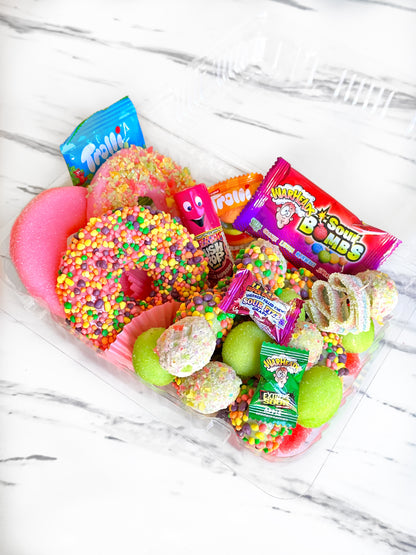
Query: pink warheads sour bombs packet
[(312, 229)]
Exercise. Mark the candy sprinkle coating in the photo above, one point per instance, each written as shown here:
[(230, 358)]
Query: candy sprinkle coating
[(135, 172), (266, 262), (89, 286), (382, 292), (209, 390), (306, 336), (186, 346), (205, 304), (259, 435)]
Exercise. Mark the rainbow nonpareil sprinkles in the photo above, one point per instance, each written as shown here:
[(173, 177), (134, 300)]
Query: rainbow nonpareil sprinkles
[(89, 285)]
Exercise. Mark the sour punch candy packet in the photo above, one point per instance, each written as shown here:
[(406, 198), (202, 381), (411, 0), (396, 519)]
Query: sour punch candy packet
[(100, 136), (312, 228), (248, 297), (276, 397)]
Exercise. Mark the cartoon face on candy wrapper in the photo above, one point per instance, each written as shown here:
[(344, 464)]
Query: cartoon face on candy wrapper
[(280, 375), (196, 209), (192, 209), (284, 214)]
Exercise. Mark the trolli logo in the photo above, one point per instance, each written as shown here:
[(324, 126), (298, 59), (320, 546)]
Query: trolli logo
[(94, 155)]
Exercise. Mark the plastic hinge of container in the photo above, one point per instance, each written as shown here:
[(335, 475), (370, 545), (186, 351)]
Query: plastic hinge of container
[(218, 429)]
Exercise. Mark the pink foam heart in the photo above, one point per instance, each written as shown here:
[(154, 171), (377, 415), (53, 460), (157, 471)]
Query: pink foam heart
[(39, 238)]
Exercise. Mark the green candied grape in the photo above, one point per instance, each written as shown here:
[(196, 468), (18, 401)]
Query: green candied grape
[(145, 360), (320, 394), (287, 295), (241, 349), (358, 342)]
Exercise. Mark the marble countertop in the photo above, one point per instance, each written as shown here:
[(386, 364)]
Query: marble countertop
[(88, 465)]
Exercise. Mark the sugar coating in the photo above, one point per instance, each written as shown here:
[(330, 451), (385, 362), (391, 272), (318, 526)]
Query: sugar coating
[(241, 348), (136, 172), (382, 292), (307, 337), (206, 304), (340, 305), (186, 346), (264, 436), (88, 284), (145, 360), (265, 261), (320, 395), (209, 390)]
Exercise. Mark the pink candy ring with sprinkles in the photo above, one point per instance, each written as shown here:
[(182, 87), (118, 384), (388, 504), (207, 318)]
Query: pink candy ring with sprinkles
[(206, 304), (136, 172), (89, 285)]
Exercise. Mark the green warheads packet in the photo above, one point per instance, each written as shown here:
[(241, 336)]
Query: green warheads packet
[(276, 396)]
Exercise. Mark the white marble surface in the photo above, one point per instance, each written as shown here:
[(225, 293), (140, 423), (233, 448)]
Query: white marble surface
[(331, 86)]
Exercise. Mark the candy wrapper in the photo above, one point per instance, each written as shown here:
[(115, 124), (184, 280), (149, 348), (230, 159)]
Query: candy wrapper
[(199, 216), (312, 228), (276, 397), (247, 296), (229, 198), (100, 136)]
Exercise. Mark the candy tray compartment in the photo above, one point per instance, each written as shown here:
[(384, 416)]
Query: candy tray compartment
[(259, 96), (280, 477)]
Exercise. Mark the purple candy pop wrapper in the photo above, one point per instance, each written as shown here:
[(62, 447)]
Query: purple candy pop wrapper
[(248, 297)]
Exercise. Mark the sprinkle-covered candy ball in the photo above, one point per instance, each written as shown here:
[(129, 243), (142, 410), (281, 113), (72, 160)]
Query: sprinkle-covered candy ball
[(260, 435), (209, 390), (382, 292), (241, 348), (307, 337), (320, 394), (206, 304), (266, 262), (186, 346), (145, 360)]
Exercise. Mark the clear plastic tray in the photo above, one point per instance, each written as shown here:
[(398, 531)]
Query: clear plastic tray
[(228, 92)]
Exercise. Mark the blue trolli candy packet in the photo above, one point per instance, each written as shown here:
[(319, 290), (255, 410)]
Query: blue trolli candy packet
[(100, 136)]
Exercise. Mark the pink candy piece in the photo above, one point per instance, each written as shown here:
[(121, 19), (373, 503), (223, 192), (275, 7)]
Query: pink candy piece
[(136, 172), (39, 238)]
